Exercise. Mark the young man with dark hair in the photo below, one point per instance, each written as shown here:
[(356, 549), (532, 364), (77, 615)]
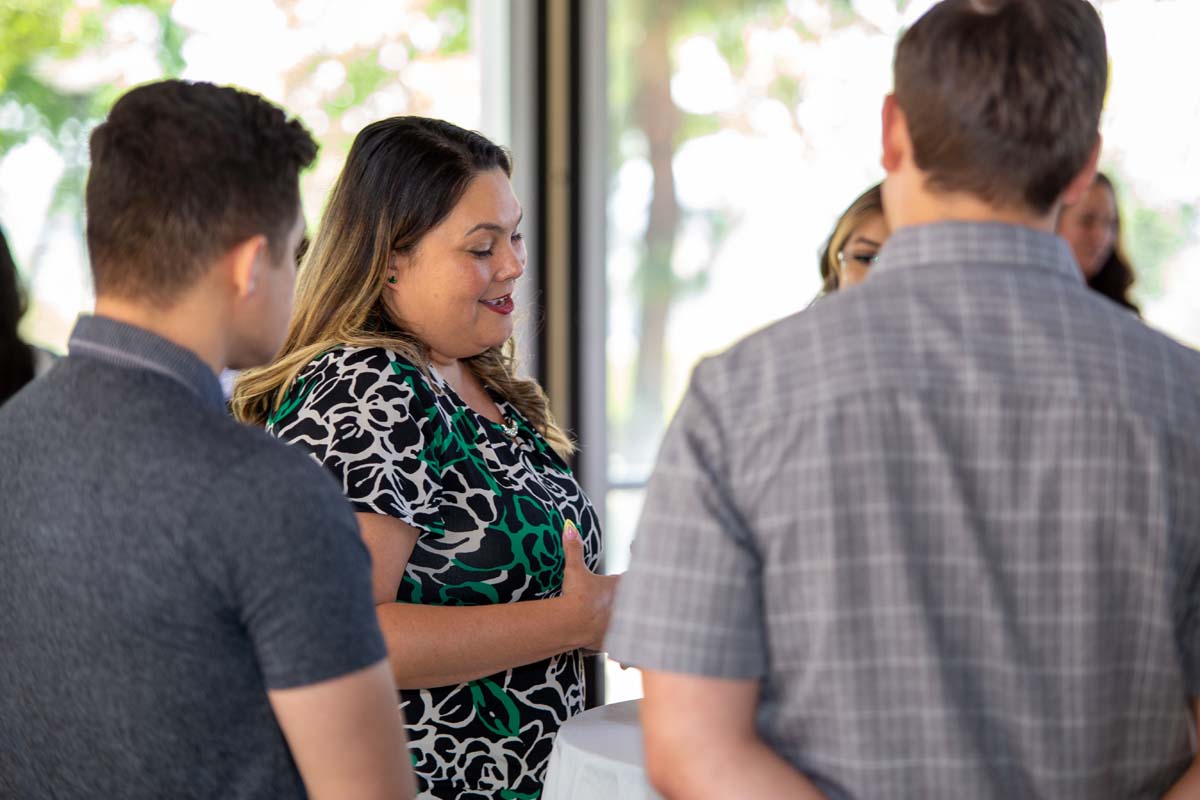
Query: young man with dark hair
[(949, 544), (187, 604)]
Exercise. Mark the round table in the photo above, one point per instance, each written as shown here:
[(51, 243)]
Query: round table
[(598, 756)]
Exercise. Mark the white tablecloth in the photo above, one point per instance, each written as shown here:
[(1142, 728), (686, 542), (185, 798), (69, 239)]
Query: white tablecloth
[(598, 756)]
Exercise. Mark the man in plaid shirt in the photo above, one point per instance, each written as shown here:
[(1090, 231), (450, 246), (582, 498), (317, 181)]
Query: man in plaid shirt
[(939, 535)]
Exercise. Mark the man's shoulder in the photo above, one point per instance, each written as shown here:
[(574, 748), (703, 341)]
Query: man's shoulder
[(1148, 339), (157, 421), (808, 345), (252, 481), (1188, 359), (1178, 365), (270, 468)]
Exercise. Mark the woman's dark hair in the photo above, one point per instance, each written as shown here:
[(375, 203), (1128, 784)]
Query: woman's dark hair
[(16, 357), (1115, 278)]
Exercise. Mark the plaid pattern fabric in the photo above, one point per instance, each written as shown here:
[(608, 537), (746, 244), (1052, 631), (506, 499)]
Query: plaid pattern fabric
[(950, 520)]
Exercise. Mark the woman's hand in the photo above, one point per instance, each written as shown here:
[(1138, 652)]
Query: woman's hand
[(433, 645), (588, 595)]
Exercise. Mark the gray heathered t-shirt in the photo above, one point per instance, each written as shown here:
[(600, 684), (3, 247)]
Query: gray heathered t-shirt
[(161, 568)]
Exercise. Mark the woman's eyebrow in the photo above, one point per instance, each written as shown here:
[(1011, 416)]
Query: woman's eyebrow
[(494, 226)]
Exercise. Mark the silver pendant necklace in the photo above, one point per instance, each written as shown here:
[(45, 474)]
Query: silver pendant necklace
[(509, 426)]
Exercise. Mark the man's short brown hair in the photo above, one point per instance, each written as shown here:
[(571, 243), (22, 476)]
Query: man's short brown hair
[(182, 172), (1003, 97)]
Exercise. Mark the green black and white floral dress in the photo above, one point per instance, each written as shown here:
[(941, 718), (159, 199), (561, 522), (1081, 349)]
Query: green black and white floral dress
[(490, 509)]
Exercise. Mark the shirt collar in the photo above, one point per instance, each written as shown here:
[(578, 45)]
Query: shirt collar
[(993, 244), (132, 347)]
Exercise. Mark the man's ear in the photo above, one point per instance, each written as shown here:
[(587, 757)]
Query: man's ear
[(897, 146), (1083, 179), (245, 263)]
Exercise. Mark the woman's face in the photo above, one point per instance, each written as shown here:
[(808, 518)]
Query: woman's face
[(454, 289), (860, 250), (1090, 227)]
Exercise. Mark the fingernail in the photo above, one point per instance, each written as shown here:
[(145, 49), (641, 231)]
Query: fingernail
[(570, 531)]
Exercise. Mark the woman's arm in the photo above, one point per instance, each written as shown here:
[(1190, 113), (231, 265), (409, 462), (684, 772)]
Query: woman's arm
[(1188, 786), (432, 646)]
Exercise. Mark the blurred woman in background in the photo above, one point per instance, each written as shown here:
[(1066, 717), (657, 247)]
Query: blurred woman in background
[(19, 362), (852, 249), (1092, 227)]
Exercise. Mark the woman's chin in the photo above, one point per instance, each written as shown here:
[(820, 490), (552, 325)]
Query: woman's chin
[(1093, 269), (482, 345), (497, 335)]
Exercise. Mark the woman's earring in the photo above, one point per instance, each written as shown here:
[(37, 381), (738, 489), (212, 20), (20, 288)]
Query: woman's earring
[(392, 279)]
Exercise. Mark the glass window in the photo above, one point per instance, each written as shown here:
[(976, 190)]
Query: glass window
[(739, 131), (338, 64)]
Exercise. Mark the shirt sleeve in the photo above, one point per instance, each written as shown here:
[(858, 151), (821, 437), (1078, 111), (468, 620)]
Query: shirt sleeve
[(1184, 465), (369, 419), (691, 600), (297, 574)]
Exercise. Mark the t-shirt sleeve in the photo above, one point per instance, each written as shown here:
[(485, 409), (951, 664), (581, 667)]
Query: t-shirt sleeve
[(298, 573), (368, 419), (691, 600)]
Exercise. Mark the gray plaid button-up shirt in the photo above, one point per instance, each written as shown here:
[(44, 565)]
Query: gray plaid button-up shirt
[(950, 520)]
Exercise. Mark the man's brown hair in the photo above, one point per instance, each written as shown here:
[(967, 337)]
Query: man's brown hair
[(1003, 97), (181, 173)]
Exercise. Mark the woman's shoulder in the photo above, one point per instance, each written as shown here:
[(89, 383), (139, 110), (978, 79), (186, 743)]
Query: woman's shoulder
[(345, 377), (345, 361)]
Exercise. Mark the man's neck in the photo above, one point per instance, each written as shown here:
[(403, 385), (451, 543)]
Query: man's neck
[(926, 208), (186, 323)]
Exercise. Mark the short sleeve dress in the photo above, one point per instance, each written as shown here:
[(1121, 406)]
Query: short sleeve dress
[(490, 509)]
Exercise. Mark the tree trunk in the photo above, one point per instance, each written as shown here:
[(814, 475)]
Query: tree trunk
[(659, 119)]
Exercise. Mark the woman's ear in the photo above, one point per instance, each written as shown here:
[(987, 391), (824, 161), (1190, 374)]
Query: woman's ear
[(397, 263)]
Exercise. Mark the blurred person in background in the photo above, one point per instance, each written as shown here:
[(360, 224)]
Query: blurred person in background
[(1093, 229), (20, 362), (853, 247)]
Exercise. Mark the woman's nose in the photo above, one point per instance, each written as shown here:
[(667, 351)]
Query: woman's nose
[(513, 263)]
